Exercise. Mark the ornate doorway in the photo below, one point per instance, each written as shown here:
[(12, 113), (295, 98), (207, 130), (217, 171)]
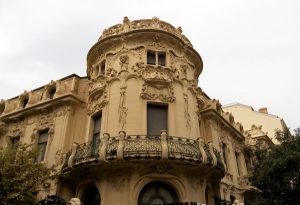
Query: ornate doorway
[(157, 193)]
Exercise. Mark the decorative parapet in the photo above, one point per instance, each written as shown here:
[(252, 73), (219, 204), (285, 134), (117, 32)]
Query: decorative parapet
[(216, 105), (39, 97), (158, 147), (153, 23)]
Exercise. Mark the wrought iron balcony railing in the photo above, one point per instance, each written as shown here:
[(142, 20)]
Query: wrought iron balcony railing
[(126, 147)]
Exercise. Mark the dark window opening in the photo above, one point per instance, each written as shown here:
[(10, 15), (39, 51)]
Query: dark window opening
[(25, 102), (161, 59), (102, 68), (15, 142), (42, 145), (224, 153), (151, 58), (157, 119), (52, 93), (91, 196), (157, 193), (96, 132)]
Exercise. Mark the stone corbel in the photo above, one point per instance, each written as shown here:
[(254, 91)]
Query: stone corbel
[(72, 156), (121, 145), (202, 151), (212, 153), (103, 146), (164, 144)]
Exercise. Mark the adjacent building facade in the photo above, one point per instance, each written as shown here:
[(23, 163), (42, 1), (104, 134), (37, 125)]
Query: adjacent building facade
[(137, 129), (256, 123)]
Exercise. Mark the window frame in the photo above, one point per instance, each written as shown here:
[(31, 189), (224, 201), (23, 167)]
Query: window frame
[(155, 104), (42, 144), (156, 58)]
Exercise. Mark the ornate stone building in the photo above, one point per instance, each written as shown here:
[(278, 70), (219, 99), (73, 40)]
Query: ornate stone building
[(137, 129)]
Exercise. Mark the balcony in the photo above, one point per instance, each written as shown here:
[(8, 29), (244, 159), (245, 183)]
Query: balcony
[(142, 147)]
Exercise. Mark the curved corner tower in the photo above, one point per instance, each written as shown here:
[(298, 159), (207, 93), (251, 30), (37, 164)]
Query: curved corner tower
[(137, 130)]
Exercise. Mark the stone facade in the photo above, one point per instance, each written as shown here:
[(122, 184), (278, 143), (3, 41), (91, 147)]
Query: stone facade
[(101, 125)]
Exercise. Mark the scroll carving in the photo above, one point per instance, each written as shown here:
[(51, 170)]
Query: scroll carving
[(44, 122), (160, 92), (96, 103)]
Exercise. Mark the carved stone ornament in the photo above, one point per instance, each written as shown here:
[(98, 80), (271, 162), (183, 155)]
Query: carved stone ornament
[(124, 61), (186, 112), (3, 128), (156, 74), (122, 109), (160, 92), (16, 130), (96, 103), (97, 85), (44, 122)]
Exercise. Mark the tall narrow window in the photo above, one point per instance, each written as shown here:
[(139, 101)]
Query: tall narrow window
[(157, 119), (52, 93), (151, 58), (96, 132), (161, 59), (42, 144)]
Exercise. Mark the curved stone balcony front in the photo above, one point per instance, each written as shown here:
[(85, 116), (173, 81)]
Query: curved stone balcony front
[(143, 147)]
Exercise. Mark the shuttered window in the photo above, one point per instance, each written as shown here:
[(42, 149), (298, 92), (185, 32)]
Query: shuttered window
[(157, 119), (42, 145)]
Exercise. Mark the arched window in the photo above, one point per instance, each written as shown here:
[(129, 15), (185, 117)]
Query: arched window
[(157, 193), (52, 93), (91, 196)]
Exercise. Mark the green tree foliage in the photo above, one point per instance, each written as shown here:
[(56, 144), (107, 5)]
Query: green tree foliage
[(277, 172), (20, 175)]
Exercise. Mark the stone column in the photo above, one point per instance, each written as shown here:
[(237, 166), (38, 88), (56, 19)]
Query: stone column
[(121, 145), (102, 148), (72, 156), (164, 144)]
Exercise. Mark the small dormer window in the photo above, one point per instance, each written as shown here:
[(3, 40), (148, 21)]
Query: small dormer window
[(24, 102), (156, 58), (52, 93), (102, 68)]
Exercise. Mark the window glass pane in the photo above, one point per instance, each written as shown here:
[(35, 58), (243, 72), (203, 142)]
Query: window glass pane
[(150, 58), (157, 119), (43, 137), (41, 151), (162, 59), (97, 124)]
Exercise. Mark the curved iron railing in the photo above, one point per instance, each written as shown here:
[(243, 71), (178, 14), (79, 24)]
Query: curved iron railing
[(143, 146)]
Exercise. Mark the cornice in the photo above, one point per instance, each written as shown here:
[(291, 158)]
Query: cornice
[(42, 106)]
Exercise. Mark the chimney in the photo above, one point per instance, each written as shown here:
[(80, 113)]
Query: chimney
[(263, 110)]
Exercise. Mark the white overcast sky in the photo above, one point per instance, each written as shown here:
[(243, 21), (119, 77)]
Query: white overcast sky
[(250, 48)]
